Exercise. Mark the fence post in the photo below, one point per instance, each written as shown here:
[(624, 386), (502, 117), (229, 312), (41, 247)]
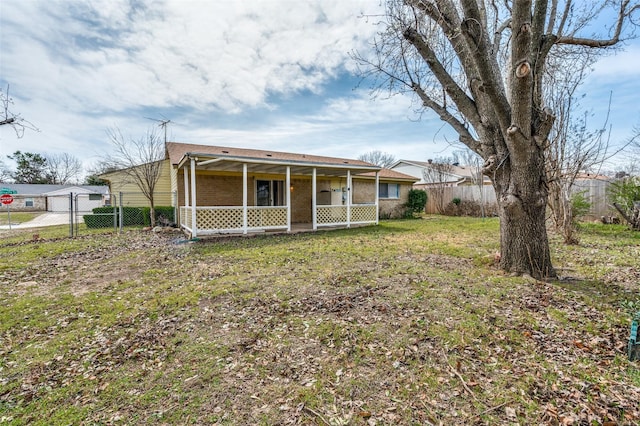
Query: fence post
[(113, 199), (75, 213), (121, 213), (70, 215)]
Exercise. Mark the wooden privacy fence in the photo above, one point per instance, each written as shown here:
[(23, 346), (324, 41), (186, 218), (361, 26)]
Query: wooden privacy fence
[(595, 191)]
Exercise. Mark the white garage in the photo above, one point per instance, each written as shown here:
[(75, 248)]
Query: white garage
[(86, 199)]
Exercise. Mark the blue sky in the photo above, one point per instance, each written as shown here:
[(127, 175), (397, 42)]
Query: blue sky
[(277, 76)]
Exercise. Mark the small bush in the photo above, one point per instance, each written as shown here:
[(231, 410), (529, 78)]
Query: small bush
[(470, 208), (132, 215), (456, 201), (165, 211), (580, 205), (417, 200)]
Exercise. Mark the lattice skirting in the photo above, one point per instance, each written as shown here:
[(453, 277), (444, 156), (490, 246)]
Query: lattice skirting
[(231, 218)]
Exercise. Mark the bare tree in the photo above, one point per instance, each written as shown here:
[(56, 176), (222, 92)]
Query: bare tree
[(437, 175), (97, 169), (471, 160), (9, 118), (574, 147), (63, 168), (141, 160), (479, 65), (5, 172), (378, 158)]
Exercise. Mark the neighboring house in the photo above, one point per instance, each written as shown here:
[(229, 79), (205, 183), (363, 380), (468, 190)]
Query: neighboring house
[(225, 189), (123, 187), (55, 198), (454, 175), (444, 184)]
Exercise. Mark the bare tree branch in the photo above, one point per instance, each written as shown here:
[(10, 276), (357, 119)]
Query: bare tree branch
[(140, 160), (8, 118)]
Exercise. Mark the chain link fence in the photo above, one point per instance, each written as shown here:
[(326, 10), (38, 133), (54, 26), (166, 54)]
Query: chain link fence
[(77, 214)]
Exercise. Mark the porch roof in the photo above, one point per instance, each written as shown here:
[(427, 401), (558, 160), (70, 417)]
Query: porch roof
[(261, 161)]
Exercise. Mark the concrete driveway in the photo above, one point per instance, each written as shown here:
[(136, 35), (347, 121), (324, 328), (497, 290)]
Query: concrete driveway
[(45, 219)]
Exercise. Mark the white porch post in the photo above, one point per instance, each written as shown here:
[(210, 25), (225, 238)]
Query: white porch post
[(288, 189), (349, 198), (245, 193), (377, 197), (314, 213), (194, 225), (186, 187), (186, 195)]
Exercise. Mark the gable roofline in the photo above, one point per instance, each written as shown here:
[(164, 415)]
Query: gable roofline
[(178, 154)]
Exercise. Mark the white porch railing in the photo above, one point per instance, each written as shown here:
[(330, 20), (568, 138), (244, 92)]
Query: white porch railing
[(337, 215), (214, 220)]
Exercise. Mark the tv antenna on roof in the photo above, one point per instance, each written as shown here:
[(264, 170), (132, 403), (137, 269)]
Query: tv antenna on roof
[(162, 123)]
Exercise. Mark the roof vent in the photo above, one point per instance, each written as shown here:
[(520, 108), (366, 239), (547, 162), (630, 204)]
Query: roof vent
[(225, 152), (345, 162), (269, 155)]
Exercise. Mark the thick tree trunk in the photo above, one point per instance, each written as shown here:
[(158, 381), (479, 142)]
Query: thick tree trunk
[(522, 201), (524, 246)]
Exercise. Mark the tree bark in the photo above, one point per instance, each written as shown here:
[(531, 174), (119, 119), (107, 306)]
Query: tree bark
[(522, 200)]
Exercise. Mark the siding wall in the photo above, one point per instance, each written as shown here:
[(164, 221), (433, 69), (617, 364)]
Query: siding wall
[(121, 182)]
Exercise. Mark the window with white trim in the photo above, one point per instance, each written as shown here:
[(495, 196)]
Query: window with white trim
[(389, 190), (28, 202)]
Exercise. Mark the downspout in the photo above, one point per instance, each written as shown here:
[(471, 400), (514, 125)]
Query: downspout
[(245, 192), (194, 225)]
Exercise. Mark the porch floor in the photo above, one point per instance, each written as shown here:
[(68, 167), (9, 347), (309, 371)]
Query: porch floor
[(296, 228)]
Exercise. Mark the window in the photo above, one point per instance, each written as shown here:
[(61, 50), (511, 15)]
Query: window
[(95, 197), (389, 190), (28, 202), (270, 193)]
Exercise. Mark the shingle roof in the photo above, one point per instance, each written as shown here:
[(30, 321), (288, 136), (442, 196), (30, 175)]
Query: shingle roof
[(41, 189), (389, 174), (176, 151)]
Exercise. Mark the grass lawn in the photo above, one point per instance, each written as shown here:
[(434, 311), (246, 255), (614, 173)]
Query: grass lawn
[(16, 217), (408, 322)]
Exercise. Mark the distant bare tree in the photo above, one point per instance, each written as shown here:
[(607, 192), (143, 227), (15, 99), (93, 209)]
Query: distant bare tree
[(5, 172), (9, 118), (141, 160), (378, 158), (473, 161), (97, 169), (437, 174), (574, 147), (63, 168)]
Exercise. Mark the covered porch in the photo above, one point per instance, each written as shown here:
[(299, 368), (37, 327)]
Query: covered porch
[(225, 193)]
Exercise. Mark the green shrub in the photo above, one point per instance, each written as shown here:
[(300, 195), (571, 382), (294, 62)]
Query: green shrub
[(580, 205), (456, 201), (417, 200), (625, 192), (132, 215), (166, 211), (98, 221)]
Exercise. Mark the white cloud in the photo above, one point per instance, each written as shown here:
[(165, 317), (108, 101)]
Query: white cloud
[(226, 54)]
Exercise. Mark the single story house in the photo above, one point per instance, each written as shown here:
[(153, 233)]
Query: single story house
[(55, 198), (227, 190), (428, 173)]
